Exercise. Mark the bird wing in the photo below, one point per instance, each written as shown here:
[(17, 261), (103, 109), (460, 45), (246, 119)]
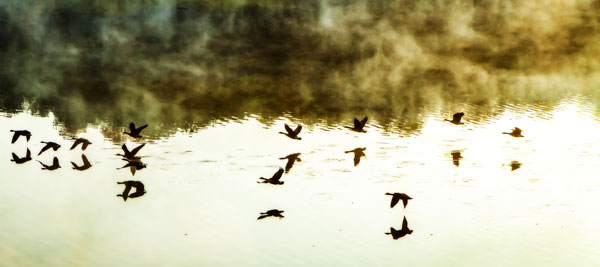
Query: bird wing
[(28, 136), (46, 147), (85, 145), (132, 127), (125, 150), (15, 137), (277, 175), (77, 142), (135, 150), (139, 129), (404, 224), (15, 157), (405, 201), (288, 129), (395, 199), (298, 129), (458, 116), (357, 124), (55, 162), (85, 160), (28, 155), (364, 121)]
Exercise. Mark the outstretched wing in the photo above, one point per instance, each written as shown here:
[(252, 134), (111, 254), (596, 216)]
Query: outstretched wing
[(15, 157), (55, 162), (458, 116), (404, 224), (46, 147), (141, 128), (364, 121), (405, 201), (15, 137), (132, 127), (395, 199), (77, 142), (298, 129), (357, 124), (135, 150), (125, 150), (277, 175), (28, 155), (85, 160), (85, 145), (288, 129)]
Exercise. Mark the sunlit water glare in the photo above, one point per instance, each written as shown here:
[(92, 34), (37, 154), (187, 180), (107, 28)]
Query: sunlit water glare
[(203, 199)]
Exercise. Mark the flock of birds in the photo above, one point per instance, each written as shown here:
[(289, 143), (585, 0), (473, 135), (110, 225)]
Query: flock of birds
[(134, 163), (358, 153)]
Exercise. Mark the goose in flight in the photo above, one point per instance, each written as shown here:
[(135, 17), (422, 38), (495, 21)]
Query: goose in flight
[(19, 133), (402, 232), (291, 158), (516, 132), (358, 152), (271, 213), (456, 157), (292, 133), (84, 143), (274, 179), (49, 145), (18, 160), (139, 189), (52, 167), (358, 125), (396, 198), (135, 132), (514, 165), (86, 164), (130, 154), (456, 118)]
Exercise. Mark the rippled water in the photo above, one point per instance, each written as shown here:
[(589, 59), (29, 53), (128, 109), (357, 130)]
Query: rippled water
[(203, 199)]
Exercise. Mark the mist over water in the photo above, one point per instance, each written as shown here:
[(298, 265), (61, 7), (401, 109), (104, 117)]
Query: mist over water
[(176, 62)]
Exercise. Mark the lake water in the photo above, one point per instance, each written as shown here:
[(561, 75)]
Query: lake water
[(203, 199)]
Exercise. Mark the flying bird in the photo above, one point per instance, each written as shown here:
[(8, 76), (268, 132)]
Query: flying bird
[(52, 167), (292, 134), (358, 125), (84, 143), (18, 133), (514, 165), (396, 197), (49, 145), (291, 158), (456, 118), (130, 154), (135, 132), (358, 153), (271, 213), (274, 179), (139, 189), (86, 164), (456, 157), (516, 132), (18, 160), (402, 232)]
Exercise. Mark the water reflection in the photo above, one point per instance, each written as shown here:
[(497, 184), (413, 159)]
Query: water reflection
[(456, 118), (456, 157), (291, 158), (271, 213), (86, 164), (49, 145), (516, 132), (292, 133), (358, 153), (18, 160), (396, 197), (274, 179), (19, 133), (134, 165), (139, 189), (84, 143), (359, 125), (402, 232), (52, 167)]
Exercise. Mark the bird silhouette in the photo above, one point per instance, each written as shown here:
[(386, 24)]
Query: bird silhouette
[(18, 160), (514, 165), (358, 152), (402, 232), (456, 118), (274, 179), (52, 167), (18, 133), (86, 164), (358, 125), (139, 189), (133, 165), (516, 132), (135, 132), (291, 158), (49, 145), (456, 157), (84, 143), (271, 213), (130, 154), (292, 134), (396, 197)]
